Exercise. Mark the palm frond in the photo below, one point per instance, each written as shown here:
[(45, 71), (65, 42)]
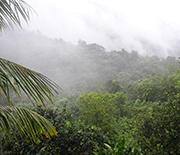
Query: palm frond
[(36, 86), (11, 12), (28, 123)]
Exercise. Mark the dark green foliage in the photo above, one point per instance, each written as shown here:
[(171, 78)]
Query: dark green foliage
[(70, 103), (71, 139), (119, 100), (112, 86), (154, 87), (139, 98), (103, 110), (118, 146), (159, 131), (96, 109), (147, 110)]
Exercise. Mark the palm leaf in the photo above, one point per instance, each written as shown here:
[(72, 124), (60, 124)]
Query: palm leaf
[(36, 86), (11, 12), (15, 77), (28, 123)]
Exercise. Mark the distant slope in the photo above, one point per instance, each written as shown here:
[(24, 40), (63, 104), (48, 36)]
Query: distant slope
[(82, 67)]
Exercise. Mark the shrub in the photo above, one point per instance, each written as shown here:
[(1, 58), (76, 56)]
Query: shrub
[(72, 139), (159, 131)]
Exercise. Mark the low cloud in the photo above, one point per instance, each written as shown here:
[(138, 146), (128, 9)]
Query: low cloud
[(149, 27)]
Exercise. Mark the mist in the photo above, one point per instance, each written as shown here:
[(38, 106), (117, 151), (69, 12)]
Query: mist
[(117, 65), (149, 27), (81, 44)]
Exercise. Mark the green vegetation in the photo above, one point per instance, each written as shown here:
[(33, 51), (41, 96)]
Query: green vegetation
[(112, 102), (97, 109), (71, 139), (16, 78), (131, 110)]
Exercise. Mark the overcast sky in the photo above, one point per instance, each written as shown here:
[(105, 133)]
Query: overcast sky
[(114, 24)]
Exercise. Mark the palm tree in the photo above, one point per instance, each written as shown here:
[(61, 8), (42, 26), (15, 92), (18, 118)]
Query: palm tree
[(14, 77)]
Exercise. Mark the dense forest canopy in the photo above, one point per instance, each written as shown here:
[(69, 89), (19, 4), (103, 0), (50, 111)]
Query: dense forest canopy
[(114, 102), (81, 67), (111, 102)]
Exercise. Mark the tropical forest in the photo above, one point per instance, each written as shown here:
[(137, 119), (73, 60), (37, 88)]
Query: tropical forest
[(109, 102), (114, 102)]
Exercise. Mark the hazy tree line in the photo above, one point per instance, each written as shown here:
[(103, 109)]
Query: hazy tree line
[(81, 67), (116, 102), (112, 102)]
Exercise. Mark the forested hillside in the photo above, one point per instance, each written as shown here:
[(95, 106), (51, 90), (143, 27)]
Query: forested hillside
[(111, 102), (81, 67)]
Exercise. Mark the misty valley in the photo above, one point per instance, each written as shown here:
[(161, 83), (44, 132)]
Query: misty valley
[(110, 103)]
